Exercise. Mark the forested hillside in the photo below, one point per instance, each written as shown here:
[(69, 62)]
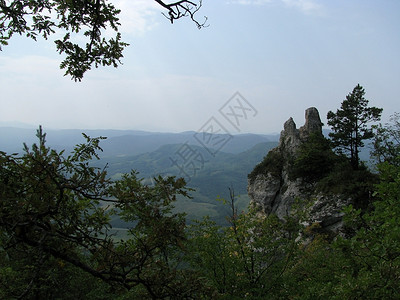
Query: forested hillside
[(61, 215), (150, 155), (57, 242), (211, 181)]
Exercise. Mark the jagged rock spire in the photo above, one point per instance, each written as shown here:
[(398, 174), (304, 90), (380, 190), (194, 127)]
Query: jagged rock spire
[(291, 137), (275, 192), (313, 123)]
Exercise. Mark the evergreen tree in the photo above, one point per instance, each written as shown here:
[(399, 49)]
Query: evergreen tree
[(349, 124)]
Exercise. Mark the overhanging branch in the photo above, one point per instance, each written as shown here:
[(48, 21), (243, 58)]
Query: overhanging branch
[(183, 8)]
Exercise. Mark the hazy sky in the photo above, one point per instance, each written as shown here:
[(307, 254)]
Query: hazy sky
[(282, 56)]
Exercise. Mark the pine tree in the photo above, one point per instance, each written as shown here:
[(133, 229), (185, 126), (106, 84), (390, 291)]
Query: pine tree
[(350, 124)]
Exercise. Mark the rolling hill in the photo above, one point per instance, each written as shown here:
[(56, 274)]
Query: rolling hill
[(210, 172), (211, 180)]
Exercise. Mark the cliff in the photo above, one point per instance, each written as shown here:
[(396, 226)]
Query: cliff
[(272, 190)]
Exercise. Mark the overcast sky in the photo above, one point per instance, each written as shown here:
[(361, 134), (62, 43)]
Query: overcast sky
[(282, 56)]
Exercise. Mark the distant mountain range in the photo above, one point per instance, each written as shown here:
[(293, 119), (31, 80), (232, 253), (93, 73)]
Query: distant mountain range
[(210, 168), (121, 142)]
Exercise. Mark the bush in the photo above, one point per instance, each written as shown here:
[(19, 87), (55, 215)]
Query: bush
[(355, 184), (272, 163), (314, 159)]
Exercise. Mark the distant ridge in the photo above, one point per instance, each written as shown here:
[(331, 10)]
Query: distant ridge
[(119, 142)]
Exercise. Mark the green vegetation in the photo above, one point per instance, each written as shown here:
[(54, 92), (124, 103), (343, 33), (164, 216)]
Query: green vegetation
[(223, 171), (248, 259), (272, 163), (314, 159), (363, 266), (56, 240), (80, 27), (55, 214), (239, 261), (349, 124), (322, 170), (387, 141), (62, 235)]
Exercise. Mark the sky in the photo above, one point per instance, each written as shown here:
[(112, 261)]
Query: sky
[(258, 63)]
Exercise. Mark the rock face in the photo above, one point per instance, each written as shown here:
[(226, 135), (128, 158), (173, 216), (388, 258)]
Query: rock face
[(272, 191)]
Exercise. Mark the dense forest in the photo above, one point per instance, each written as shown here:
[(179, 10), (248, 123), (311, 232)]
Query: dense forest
[(57, 240)]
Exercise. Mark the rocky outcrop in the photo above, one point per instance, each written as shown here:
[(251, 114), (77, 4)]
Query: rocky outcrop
[(271, 189)]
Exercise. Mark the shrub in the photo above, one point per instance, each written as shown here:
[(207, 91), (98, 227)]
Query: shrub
[(272, 163)]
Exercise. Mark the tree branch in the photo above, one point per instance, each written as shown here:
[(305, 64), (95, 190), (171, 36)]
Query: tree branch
[(183, 8)]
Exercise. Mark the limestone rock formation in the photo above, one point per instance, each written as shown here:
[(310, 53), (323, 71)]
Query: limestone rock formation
[(271, 189)]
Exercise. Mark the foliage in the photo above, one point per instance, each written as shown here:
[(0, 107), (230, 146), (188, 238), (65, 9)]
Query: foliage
[(349, 124), (246, 259), (374, 252), (272, 163), (91, 18), (363, 266), (56, 241), (387, 141), (344, 180), (314, 159), (45, 18), (54, 223), (24, 275), (314, 275), (315, 163)]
